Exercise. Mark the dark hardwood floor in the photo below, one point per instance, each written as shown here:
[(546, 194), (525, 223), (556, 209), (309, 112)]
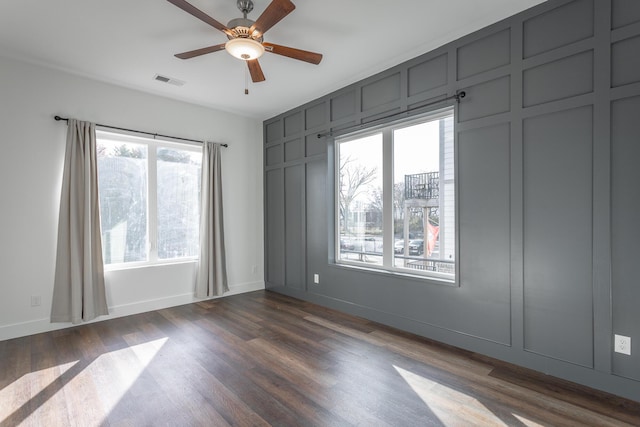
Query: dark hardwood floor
[(262, 359)]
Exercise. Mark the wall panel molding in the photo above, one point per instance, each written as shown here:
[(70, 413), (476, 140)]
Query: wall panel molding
[(540, 88)]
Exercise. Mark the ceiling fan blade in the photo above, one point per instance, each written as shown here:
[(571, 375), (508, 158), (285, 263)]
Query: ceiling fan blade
[(276, 10), (198, 52), (302, 55), (187, 7), (255, 70)]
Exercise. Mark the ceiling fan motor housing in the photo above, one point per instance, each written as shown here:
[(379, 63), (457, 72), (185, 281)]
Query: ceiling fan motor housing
[(240, 28)]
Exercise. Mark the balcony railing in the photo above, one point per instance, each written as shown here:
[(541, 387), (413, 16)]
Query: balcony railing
[(424, 186), (441, 266)]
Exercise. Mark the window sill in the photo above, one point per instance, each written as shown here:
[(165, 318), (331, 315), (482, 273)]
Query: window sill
[(146, 264), (397, 274)]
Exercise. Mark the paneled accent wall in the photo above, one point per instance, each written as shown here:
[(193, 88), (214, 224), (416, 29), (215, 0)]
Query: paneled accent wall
[(548, 149)]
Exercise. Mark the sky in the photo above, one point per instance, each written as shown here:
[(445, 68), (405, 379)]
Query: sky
[(416, 150)]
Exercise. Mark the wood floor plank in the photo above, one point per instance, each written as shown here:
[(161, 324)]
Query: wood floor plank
[(267, 359), (308, 412), (279, 353), (257, 398)]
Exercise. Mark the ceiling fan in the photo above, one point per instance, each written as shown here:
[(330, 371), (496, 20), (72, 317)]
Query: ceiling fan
[(246, 36)]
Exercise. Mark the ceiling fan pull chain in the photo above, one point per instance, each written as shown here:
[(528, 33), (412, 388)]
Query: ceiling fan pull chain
[(246, 81)]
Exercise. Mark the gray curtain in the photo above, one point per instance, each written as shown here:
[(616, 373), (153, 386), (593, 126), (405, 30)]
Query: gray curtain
[(78, 290), (211, 279)]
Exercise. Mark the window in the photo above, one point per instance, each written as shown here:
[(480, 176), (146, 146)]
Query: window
[(395, 197), (149, 199)]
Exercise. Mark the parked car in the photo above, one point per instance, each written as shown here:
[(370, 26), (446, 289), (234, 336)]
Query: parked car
[(398, 248), (416, 247)]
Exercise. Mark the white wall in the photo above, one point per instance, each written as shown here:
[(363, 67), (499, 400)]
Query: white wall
[(31, 158)]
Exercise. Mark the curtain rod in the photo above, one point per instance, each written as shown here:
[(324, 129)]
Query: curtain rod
[(458, 96), (58, 118)]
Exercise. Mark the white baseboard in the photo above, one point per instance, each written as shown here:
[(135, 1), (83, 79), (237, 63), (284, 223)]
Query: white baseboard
[(37, 326)]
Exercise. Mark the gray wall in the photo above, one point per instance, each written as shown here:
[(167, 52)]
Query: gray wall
[(548, 149)]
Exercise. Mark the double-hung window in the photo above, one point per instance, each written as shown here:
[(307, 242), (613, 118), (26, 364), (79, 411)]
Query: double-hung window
[(395, 197), (149, 194)]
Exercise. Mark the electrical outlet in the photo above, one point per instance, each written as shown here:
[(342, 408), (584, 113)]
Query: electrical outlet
[(254, 269), (36, 300), (316, 278), (622, 344)]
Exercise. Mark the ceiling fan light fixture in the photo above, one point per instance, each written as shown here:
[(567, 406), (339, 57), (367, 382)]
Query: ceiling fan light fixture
[(244, 48)]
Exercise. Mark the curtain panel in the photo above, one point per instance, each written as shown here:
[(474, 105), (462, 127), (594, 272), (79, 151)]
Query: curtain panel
[(79, 291), (211, 278)]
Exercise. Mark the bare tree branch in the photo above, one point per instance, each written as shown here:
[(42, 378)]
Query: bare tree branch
[(354, 179)]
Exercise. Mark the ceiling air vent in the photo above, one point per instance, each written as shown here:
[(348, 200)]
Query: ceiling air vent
[(169, 80)]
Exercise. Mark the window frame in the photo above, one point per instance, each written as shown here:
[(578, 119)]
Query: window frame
[(152, 144), (386, 129)]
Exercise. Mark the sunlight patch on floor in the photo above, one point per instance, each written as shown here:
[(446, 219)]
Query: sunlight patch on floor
[(527, 422), (452, 407), (112, 373), (19, 392), (123, 368)]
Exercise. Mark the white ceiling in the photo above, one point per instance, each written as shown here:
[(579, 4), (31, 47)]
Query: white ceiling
[(127, 42)]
